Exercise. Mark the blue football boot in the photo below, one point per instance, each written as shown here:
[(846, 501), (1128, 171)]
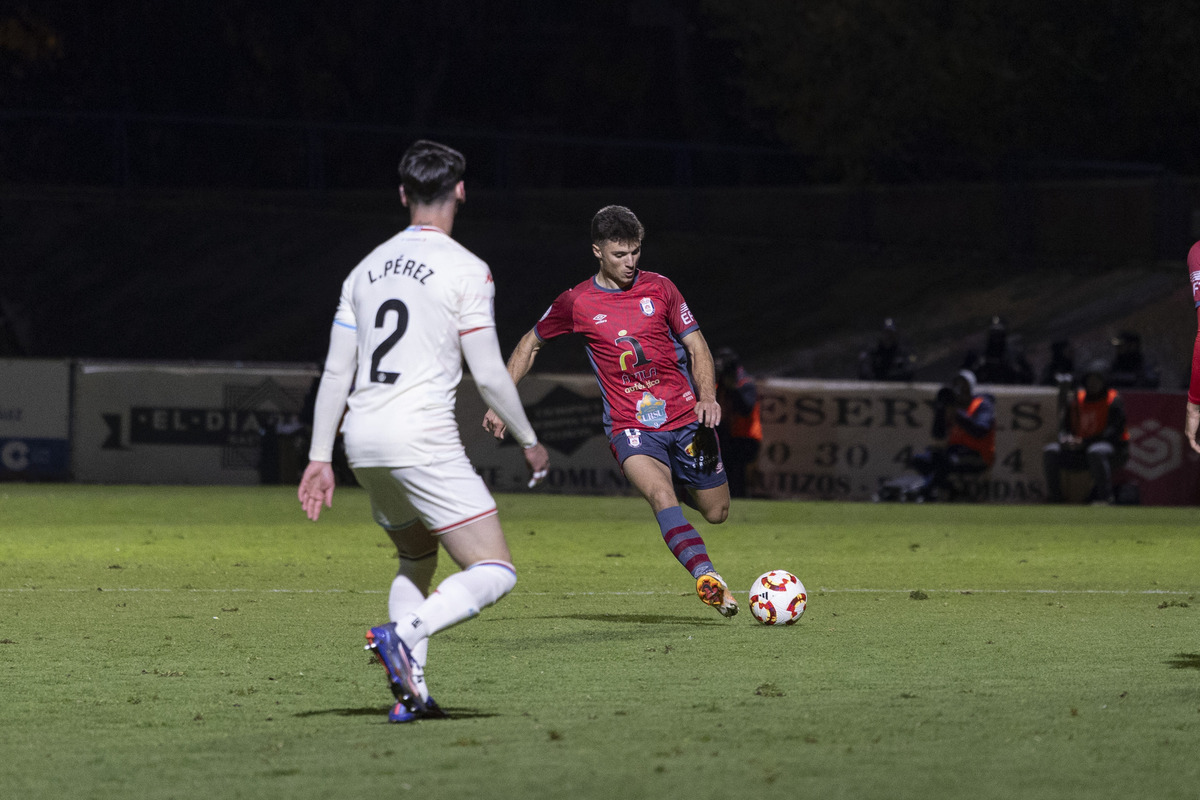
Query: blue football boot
[(402, 713), (402, 670)]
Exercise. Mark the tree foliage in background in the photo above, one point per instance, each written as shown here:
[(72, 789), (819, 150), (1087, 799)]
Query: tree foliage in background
[(861, 83), (865, 88), (644, 70)]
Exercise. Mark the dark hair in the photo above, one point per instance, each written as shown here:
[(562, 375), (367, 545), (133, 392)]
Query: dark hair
[(429, 171), (616, 224)]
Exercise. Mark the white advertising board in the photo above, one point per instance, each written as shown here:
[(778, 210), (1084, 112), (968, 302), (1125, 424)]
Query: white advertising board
[(834, 440), (181, 423), (35, 397), (567, 413)]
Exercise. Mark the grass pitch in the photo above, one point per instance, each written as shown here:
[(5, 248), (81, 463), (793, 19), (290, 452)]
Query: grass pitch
[(207, 642)]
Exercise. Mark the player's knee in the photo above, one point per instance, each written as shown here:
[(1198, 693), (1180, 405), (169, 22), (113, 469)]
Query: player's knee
[(717, 514), (491, 580)]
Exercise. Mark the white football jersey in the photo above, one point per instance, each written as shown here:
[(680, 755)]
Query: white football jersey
[(408, 302)]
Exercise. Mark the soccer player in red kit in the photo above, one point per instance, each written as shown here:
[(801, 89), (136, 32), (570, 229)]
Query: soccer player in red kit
[(1192, 421), (659, 415)]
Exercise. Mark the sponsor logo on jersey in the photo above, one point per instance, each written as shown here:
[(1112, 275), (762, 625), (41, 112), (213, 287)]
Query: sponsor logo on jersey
[(600, 319), (635, 356), (651, 411), (647, 306), (634, 436), (685, 315), (1196, 285)]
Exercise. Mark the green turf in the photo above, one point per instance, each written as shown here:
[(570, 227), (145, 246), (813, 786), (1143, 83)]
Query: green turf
[(206, 642)]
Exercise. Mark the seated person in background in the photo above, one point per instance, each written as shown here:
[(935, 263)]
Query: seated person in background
[(1062, 363), (1129, 368), (999, 364), (740, 429), (887, 360), (965, 420), (1092, 435)]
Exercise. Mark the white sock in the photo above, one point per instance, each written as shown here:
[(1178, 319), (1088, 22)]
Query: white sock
[(408, 591), (459, 597)]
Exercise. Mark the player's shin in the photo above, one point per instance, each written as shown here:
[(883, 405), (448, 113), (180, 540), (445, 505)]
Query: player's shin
[(408, 591), (458, 598), (684, 541)]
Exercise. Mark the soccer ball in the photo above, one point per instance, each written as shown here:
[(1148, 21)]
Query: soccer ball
[(777, 598)]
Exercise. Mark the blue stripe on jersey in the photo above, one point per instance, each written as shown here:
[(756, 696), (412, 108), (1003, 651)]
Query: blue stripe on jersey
[(607, 417), (681, 357), (345, 325)]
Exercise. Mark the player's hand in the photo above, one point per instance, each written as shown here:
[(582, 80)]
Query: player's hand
[(1190, 425), (709, 413), (538, 461), (493, 424), (316, 487)]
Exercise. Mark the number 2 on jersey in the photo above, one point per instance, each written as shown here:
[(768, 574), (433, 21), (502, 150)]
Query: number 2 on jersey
[(378, 375)]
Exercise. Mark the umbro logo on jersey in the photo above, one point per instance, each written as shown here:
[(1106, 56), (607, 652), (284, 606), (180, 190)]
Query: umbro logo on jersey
[(600, 319)]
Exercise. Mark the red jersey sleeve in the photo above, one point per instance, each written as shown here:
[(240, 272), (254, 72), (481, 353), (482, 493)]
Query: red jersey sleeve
[(1194, 384), (679, 316), (1193, 264), (559, 317)]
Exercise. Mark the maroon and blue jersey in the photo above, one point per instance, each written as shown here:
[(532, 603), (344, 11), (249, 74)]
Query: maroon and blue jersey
[(634, 343)]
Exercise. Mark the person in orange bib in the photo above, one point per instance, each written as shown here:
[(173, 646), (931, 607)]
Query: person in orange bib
[(740, 429), (1092, 435), (964, 432)]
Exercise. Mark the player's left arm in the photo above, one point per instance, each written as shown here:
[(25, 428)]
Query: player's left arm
[(704, 375)]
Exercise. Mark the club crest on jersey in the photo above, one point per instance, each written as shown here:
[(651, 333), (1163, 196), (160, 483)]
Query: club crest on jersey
[(651, 411), (647, 306), (634, 436)]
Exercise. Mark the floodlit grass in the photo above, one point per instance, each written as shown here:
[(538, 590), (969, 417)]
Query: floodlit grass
[(207, 643)]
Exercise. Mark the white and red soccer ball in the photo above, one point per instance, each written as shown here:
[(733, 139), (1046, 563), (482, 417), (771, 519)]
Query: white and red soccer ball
[(777, 598)]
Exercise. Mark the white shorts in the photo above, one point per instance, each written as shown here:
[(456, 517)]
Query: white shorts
[(443, 496)]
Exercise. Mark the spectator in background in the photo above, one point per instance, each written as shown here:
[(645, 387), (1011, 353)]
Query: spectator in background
[(964, 434), (740, 429), (1062, 364), (887, 359), (1092, 435), (1129, 368), (1192, 413), (998, 364)]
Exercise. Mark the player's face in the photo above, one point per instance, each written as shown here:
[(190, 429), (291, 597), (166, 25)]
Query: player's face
[(618, 261)]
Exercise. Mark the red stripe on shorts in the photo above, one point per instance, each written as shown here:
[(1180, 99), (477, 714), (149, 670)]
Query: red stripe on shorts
[(466, 521)]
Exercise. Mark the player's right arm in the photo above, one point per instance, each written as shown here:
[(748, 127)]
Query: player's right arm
[(482, 352), (316, 485), (519, 364)]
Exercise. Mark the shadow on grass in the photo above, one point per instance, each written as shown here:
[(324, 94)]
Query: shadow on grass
[(641, 619), (378, 711), (1185, 661)]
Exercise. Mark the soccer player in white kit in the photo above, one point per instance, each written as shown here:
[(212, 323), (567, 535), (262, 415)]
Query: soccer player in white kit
[(408, 315)]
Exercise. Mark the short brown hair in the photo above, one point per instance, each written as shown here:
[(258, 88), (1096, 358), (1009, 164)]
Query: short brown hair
[(616, 224)]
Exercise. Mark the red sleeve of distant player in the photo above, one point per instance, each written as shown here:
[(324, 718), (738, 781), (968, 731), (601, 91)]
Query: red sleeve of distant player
[(1194, 385), (1193, 264), (559, 317)]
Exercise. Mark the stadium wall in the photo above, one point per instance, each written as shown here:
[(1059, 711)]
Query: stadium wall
[(240, 424)]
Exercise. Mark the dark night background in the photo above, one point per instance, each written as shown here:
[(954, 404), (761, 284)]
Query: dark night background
[(191, 180)]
